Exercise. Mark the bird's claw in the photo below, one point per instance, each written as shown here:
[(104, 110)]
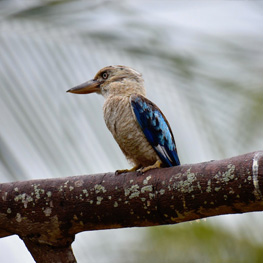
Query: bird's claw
[(118, 172), (133, 169), (157, 164), (140, 170)]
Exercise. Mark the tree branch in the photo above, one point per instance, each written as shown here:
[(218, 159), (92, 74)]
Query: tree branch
[(47, 213)]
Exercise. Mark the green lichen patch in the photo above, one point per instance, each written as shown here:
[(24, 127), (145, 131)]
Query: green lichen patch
[(99, 199), (132, 191), (99, 189), (147, 188)]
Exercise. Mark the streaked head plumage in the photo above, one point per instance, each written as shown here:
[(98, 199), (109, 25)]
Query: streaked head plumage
[(118, 73), (113, 80)]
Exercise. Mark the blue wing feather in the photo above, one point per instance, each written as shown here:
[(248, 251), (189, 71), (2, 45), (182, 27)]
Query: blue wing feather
[(156, 129)]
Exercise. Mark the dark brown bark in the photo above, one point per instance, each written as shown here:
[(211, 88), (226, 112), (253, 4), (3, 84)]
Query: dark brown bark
[(48, 213), (49, 254)]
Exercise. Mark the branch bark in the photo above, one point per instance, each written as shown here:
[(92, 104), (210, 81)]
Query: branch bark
[(46, 214)]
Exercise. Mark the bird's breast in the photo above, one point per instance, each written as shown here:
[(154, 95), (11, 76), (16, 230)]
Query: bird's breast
[(119, 118)]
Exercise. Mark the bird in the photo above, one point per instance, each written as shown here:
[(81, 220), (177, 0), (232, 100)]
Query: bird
[(136, 123)]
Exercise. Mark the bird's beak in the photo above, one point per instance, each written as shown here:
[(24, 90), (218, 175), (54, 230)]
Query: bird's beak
[(86, 87)]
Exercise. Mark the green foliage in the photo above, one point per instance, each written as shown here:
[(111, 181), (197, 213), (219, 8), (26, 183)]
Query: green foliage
[(198, 242)]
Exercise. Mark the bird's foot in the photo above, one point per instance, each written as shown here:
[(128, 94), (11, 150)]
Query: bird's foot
[(133, 169), (157, 164)]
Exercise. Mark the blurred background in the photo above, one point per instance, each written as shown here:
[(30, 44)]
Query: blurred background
[(202, 62)]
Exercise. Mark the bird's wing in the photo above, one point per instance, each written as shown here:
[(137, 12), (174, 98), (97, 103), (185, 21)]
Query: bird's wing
[(155, 128)]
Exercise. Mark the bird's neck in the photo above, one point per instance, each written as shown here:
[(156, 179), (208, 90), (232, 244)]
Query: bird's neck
[(125, 88)]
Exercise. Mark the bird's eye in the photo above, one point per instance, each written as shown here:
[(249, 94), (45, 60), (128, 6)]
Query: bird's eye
[(104, 75)]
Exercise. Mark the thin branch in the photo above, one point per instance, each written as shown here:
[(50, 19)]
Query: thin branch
[(48, 213)]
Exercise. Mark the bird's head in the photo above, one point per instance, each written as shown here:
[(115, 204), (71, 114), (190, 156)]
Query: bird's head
[(113, 80)]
